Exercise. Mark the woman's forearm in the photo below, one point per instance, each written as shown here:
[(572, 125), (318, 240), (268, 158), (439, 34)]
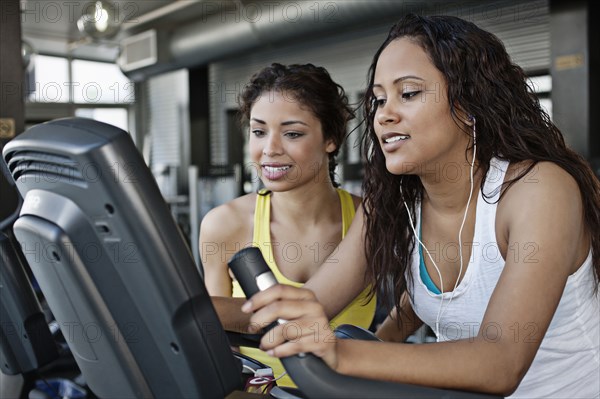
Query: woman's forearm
[(472, 365), (394, 330), (230, 315)]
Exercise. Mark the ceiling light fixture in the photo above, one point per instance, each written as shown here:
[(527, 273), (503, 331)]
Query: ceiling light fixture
[(99, 20)]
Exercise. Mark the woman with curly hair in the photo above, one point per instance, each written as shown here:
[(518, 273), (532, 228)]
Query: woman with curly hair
[(297, 117), (477, 220)]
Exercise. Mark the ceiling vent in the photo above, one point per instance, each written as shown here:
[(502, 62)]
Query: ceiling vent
[(138, 51)]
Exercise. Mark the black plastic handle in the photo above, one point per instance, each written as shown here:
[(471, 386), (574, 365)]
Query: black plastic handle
[(251, 271)]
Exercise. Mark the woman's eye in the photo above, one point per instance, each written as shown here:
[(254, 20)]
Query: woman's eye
[(258, 132), (410, 94), (293, 135), (378, 102)]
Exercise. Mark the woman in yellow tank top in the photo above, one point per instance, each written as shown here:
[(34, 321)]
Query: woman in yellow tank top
[(298, 121)]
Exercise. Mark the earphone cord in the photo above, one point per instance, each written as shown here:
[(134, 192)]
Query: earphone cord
[(463, 224), (442, 309), (437, 319)]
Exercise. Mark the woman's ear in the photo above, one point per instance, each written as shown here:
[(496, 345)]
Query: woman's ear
[(466, 118), (331, 147)]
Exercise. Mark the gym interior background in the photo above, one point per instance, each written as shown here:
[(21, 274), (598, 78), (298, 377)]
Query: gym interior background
[(169, 72)]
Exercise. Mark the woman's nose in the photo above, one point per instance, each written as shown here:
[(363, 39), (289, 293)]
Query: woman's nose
[(272, 146), (386, 115)]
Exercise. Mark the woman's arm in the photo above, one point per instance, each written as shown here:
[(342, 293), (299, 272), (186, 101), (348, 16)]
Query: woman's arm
[(230, 314), (392, 330), (217, 233), (341, 278), (520, 309), (222, 235)]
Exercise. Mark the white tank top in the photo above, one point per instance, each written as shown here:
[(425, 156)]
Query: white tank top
[(567, 364)]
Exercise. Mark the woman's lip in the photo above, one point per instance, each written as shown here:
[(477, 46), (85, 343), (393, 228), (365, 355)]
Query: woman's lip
[(387, 136), (393, 146), (274, 164), (273, 171)]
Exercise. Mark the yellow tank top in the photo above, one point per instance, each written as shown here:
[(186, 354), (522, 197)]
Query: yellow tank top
[(357, 313)]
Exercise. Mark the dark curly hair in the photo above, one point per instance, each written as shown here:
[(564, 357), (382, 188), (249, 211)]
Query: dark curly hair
[(313, 87), (481, 81)]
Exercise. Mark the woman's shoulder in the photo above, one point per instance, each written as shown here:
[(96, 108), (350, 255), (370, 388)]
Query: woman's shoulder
[(541, 185), (541, 176), (234, 218), (542, 208)]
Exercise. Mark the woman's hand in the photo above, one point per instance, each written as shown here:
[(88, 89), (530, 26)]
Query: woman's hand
[(306, 327)]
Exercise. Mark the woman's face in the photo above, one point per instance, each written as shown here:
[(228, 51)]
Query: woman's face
[(412, 122), (286, 142)]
